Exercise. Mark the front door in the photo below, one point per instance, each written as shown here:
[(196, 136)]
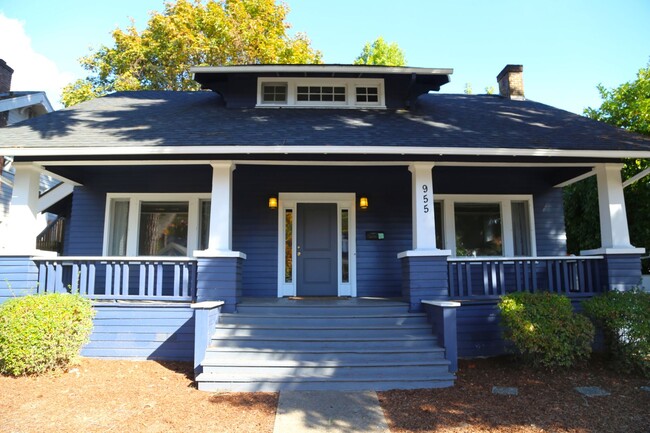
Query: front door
[(316, 250)]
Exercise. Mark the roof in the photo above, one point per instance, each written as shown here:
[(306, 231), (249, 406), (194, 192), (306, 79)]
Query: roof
[(320, 69), (17, 100), (131, 123)]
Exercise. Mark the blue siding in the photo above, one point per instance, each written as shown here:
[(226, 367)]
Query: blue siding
[(18, 277), (149, 331), (85, 233), (550, 232)]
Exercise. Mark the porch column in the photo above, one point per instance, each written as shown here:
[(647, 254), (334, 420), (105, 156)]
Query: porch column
[(622, 266), (424, 268), (19, 237), (219, 273)]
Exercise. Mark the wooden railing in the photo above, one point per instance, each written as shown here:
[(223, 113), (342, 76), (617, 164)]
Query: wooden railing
[(51, 238), (119, 278), (477, 278)]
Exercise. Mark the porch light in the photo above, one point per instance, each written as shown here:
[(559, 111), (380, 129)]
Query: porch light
[(363, 202), (273, 202)]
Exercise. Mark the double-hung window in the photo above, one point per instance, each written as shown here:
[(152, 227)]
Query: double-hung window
[(483, 226), (156, 224)]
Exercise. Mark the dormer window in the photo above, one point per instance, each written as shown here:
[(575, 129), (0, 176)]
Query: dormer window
[(274, 93), (320, 92)]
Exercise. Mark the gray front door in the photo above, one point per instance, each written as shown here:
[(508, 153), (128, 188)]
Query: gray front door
[(317, 252)]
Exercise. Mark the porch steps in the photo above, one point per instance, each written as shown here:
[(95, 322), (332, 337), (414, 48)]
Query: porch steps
[(358, 344)]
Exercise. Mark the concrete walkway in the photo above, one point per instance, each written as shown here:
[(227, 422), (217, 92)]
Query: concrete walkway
[(329, 411)]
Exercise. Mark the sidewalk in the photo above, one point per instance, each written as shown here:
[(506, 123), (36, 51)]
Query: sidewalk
[(329, 411)]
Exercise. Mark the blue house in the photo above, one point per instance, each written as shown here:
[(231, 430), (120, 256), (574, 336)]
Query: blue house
[(313, 226)]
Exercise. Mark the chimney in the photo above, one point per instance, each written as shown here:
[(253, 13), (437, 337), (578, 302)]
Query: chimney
[(5, 85), (511, 82)]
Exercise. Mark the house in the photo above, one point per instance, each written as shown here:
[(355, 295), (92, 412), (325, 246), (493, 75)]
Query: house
[(16, 107), (321, 214)]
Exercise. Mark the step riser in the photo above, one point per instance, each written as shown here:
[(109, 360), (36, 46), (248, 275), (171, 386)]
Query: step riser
[(309, 322), (323, 333), (262, 357), (281, 310), (346, 373), (340, 346), (322, 386)]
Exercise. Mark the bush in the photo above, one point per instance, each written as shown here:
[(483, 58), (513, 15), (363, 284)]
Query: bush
[(545, 330), (42, 332), (625, 320)]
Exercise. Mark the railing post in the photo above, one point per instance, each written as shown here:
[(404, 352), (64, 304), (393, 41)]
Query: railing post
[(442, 315), (206, 317)]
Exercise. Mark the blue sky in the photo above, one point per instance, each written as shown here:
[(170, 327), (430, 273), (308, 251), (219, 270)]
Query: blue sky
[(567, 47)]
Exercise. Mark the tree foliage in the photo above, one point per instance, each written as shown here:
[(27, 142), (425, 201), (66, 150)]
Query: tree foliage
[(190, 33), (381, 52), (626, 106)]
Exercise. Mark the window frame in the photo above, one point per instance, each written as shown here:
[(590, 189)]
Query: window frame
[(507, 229), (133, 226), (350, 85)]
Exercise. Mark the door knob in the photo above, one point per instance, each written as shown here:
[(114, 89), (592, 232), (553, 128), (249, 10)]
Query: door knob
[(299, 253)]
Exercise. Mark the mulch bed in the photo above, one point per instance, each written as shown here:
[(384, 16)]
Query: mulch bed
[(127, 396), (148, 396), (547, 402)]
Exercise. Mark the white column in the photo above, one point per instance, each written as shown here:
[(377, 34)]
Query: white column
[(614, 233), (611, 205), (22, 225), (221, 207), (424, 223)]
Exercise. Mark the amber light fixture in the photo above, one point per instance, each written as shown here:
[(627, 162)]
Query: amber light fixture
[(273, 202), (363, 202)]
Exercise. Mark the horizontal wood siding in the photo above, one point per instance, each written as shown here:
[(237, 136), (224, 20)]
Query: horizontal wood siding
[(85, 234), (18, 277), (549, 223), (255, 226), (130, 331)]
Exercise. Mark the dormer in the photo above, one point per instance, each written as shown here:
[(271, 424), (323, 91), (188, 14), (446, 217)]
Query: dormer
[(320, 86)]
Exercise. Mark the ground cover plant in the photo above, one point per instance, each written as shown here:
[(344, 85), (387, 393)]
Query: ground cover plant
[(42, 332), (545, 330)]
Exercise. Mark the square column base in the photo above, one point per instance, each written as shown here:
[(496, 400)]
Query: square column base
[(219, 279), (424, 278)]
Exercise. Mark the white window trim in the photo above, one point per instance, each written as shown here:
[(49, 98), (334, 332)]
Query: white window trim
[(135, 199), (350, 85), (343, 201), (504, 201)]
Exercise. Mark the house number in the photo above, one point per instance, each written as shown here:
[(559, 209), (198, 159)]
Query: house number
[(425, 198)]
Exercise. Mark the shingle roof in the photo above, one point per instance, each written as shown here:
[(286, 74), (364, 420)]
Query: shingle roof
[(199, 119)]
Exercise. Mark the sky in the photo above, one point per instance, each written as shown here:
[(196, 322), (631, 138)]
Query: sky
[(567, 47)]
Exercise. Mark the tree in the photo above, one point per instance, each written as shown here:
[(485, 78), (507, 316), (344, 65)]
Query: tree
[(381, 52), (627, 106), (190, 33)]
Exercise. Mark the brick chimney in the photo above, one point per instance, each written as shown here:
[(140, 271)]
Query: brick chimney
[(5, 85), (511, 82)]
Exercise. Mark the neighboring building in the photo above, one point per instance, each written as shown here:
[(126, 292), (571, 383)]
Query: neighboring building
[(326, 181), (16, 107)]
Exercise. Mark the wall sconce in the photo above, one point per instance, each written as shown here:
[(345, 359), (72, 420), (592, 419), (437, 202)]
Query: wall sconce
[(363, 202), (273, 202)]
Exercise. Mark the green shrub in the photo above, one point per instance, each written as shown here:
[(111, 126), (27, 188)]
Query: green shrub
[(545, 330), (42, 332), (625, 320)]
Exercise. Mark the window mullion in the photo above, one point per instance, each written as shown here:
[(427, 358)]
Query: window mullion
[(507, 229), (134, 222)]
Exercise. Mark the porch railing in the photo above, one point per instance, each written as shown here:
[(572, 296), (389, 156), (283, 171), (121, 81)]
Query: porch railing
[(477, 278), (119, 278)]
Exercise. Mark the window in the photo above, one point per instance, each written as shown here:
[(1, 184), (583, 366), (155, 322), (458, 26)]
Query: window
[(478, 229), (156, 224), (321, 93), (485, 225), (368, 95), (274, 93)]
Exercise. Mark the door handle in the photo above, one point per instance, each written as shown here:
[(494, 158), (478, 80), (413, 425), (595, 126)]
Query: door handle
[(299, 253)]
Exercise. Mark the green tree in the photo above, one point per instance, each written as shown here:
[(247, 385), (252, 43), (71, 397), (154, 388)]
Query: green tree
[(190, 33), (381, 52), (626, 106)]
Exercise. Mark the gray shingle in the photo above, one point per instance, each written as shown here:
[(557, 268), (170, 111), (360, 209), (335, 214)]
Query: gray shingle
[(200, 119)]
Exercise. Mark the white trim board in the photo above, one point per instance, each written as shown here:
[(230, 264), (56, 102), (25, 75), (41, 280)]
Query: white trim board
[(347, 201), (317, 150)]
